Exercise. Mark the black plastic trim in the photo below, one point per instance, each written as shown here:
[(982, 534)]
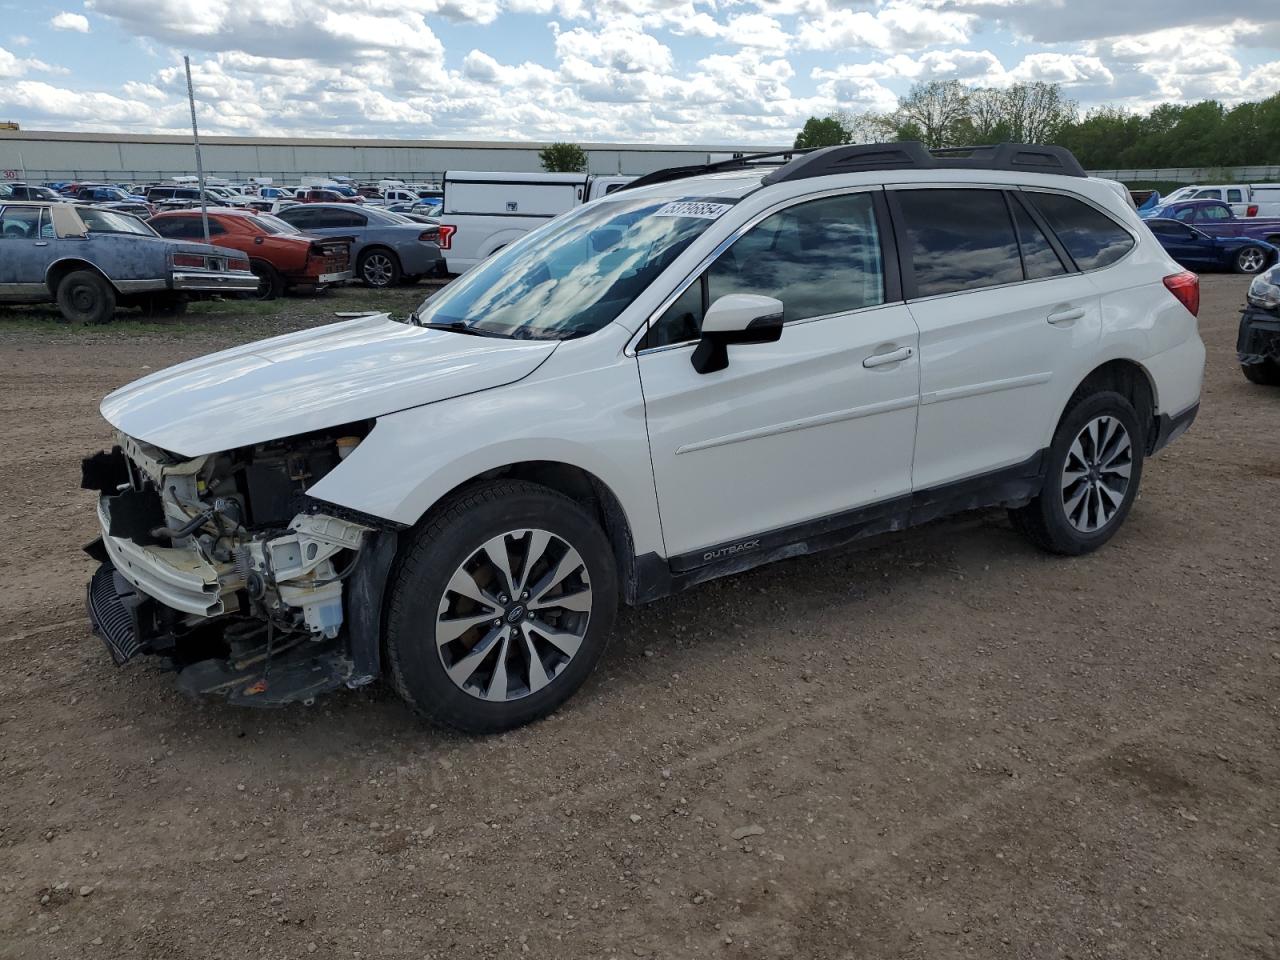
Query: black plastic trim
[(1011, 486), (364, 595), (1029, 207), (1170, 428), (1259, 337), (913, 155), (890, 256)]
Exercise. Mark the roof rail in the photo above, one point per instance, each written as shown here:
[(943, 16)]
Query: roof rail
[(697, 169), (913, 155)]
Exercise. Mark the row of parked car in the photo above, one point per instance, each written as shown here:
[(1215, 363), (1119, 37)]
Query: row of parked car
[(1207, 234), (90, 260)]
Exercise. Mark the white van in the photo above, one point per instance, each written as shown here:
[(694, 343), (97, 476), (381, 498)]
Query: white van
[(483, 212)]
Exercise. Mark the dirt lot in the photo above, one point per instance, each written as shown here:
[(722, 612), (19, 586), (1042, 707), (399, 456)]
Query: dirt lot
[(948, 745)]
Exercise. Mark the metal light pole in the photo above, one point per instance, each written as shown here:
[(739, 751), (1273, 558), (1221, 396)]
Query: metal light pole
[(195, 137)]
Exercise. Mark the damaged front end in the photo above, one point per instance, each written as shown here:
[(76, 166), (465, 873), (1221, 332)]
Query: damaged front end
[(222, 565)]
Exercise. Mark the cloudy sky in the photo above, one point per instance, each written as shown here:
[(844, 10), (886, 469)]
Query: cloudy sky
[(685, 71)]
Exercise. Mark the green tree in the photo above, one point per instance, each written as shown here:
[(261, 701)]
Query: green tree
[(825, 132), (936, 108), (563, 158)]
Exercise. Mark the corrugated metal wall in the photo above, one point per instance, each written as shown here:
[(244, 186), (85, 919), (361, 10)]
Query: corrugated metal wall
[(40, 156)]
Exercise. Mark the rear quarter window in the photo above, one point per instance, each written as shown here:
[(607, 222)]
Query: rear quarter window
[(1092, 238)]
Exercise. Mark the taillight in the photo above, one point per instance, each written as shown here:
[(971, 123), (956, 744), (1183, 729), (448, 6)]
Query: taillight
[(188, 260), (429, 235), (1252, 210), (444, 235), (1186, 287), (238, 264)]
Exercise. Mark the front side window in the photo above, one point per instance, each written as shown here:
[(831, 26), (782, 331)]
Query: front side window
[(577, 273), (339, 218), (959, 240), (20, 223), (1091, 237), (1211, 212), (819, 258)]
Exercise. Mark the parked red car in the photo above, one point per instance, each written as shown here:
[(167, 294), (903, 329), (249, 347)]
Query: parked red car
[(279, 254)]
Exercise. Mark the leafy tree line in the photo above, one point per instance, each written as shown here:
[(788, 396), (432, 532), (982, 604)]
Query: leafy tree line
[(944, 113)]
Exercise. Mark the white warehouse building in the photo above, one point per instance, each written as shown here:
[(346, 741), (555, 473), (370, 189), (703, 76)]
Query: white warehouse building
[(42, 155)]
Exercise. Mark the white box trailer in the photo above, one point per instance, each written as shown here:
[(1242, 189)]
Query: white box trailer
[(483, 212)]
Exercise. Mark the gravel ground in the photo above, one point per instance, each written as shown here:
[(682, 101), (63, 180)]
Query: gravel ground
[(945, 745)]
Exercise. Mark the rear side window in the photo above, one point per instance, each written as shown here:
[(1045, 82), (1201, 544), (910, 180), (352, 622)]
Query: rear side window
[(1093, 239), (1235, 196), (959, 240), (1039, 259)]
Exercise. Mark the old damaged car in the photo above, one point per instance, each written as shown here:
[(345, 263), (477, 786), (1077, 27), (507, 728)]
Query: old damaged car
[(280, 256), (1258, 344), (90, 261)]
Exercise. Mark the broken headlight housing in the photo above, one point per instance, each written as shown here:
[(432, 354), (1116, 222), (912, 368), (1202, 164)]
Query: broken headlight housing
[(1264, 292)]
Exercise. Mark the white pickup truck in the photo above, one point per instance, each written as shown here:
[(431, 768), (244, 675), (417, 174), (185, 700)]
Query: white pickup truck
[(483, 212)]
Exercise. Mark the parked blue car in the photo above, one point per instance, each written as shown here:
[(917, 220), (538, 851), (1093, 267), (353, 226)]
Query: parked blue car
[(88, 260), (1197, 250)]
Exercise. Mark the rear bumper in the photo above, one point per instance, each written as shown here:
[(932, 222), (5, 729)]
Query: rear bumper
[(1259, 337), (209, 281), (337, 277)]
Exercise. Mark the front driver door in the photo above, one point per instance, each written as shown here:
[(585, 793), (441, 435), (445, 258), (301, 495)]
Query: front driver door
[(804, 429)]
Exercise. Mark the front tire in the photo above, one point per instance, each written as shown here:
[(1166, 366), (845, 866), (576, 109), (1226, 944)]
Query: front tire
[(1250, 260), (86, 297), (1091, 478), (500, 607), (379, 269), (1265, 373)]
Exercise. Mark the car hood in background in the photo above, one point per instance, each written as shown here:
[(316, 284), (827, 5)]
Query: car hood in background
[(318, 378)]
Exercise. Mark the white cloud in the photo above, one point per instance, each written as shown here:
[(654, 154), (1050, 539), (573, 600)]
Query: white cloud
[(70, 21), (898, 25)]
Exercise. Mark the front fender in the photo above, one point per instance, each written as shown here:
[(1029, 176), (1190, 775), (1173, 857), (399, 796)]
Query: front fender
[(583, 408)]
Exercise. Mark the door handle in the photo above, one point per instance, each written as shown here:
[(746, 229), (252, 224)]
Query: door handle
[(1066, 316), (893, 356), (42, 243)]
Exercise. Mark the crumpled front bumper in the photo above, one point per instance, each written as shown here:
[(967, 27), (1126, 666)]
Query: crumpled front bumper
[(1259, 337), (178, 577)]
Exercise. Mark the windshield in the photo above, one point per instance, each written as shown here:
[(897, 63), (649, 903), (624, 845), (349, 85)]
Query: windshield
[(269, 224), (108, 221), (575, 275), (114, 193)]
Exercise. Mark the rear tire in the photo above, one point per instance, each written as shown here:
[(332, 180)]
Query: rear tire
[(378, 268), (1091, 477), (86, 297), (270, 283), (1250, 260), (485, 645), (1265, 373)]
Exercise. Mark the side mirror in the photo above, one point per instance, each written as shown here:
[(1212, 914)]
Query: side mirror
[(735, 318)]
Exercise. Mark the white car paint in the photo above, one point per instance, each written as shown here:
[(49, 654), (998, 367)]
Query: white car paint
[(303, 381)]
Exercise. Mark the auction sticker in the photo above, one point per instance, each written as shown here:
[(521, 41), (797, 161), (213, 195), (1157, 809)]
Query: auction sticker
[(700, 209)]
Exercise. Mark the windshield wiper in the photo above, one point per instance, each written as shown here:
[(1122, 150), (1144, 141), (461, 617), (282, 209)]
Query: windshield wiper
[(455, 326)]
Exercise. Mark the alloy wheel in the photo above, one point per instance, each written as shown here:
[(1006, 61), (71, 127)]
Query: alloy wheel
[(1096, 474), (377, 269), (513, 615), (1251, 260)]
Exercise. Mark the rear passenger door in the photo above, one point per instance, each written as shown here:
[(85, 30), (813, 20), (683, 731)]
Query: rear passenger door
[(1002, 313)]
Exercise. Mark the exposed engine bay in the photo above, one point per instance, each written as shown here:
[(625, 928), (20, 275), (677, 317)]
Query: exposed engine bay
[(222, 563)]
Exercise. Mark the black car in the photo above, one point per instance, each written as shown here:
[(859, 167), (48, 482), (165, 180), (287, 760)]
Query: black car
[(1258, 346)]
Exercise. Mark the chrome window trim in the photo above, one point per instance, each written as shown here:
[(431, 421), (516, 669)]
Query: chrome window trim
[(632, 349)]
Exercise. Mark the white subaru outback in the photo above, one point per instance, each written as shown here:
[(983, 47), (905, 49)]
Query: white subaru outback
[(712, 369)]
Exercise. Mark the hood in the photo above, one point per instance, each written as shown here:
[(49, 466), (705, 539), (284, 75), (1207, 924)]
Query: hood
[(317, 378)]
